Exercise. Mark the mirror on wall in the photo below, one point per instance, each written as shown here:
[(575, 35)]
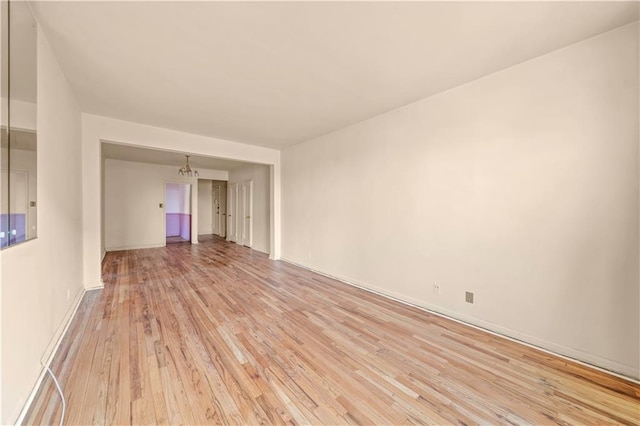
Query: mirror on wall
[(18, 148)]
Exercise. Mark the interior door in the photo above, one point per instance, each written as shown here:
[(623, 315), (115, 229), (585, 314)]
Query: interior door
[(247, 213), (215, 217), (223, 210), (232, 234)]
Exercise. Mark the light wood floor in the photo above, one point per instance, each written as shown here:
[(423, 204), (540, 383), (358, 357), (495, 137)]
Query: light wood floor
[(217, 333)]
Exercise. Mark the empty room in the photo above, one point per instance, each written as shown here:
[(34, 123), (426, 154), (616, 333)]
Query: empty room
[(367, 212)]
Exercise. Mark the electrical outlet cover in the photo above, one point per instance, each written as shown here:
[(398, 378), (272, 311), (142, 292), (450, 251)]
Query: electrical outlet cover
[(468, 297)]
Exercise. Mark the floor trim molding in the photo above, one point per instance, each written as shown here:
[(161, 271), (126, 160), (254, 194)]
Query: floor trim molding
[(52, 350), (99, 286), (588, 360), (136, 247)]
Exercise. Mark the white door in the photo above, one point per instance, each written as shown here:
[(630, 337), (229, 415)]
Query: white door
[(247, 213), (223, 210), (215, 217), (232, 229)]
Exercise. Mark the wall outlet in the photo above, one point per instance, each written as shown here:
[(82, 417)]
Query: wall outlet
[(468, 297), (436, 288), (68, 294)]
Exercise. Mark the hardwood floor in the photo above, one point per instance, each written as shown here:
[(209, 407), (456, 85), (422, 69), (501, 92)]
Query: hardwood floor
[(216, 333), (177, 240)]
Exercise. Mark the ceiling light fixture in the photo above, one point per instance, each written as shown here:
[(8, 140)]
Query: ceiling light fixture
[(187, 171)]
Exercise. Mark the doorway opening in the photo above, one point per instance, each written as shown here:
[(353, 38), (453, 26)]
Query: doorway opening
[(178, 213), (240, 212), (212, 209)]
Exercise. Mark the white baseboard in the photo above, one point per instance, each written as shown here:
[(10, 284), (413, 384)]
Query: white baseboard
[(146, 246), (584, 358), (98, 286), (51, 351)]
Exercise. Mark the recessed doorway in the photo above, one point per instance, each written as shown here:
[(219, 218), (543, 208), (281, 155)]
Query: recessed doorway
[(177, 213)]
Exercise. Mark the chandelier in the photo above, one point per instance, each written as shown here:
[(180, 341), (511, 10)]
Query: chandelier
[(187, 171)]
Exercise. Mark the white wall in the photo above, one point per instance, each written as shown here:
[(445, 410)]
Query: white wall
[(205, 204), (103, 249), (37, 274), (96, 129), (23, 114), (133, 193), (177, 198), (521, 187), (261, 199)]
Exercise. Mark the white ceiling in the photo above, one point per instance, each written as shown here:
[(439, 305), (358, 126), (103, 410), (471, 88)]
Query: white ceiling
[(278, 73), (168, 158)]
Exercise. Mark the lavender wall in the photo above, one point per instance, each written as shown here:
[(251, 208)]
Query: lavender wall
[(179, 224), (178, 215), (185, 226), (173, 224)]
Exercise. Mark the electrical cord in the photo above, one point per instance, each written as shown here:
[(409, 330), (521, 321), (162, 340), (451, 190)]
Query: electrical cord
[(64, 404)]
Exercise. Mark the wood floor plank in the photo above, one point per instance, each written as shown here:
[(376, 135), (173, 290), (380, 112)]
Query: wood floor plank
[(216, 333)]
